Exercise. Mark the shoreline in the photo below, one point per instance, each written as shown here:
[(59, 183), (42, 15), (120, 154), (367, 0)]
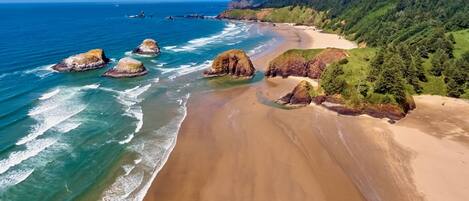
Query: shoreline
[(165, 186), (228, 147)]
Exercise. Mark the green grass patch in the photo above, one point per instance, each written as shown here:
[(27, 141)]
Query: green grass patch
[(462, 42), (357, 67)]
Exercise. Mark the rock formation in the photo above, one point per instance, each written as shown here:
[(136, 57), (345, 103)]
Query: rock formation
[(303, 64), (393, 112), (90, 60), (127, 67), (148, 47), (232, 62), (299, 96)]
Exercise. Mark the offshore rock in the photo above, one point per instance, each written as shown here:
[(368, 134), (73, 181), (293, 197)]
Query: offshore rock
[(148, 47), (235, 63), (90, 60), (127, 67)]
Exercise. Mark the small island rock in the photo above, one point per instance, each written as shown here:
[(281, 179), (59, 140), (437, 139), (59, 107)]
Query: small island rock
[(90, 60), (300, 96), (127, 67), (148, 47), (235, 63)]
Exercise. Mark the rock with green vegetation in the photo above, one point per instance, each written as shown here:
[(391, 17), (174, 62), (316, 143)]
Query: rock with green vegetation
[(300, 96), (235, 63), (90, 60), (148, 47), (127, 67), (304, 63)]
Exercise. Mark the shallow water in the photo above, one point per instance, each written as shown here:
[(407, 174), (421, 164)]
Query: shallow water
[(79, 136)]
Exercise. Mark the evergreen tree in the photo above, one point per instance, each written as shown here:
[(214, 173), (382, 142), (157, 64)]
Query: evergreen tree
[(439, 62), (455, 81), (332, 80), (417, 64), (390, 80), (375, 65), (451, 38)]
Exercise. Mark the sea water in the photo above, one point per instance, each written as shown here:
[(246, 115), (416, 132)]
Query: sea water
[(80, 136)]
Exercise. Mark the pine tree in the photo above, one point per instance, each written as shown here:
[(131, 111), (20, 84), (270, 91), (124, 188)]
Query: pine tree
[(455, 80), (439, 62), (332, 80), (375, 65), (417, 64), (451, 38), (390, 80)]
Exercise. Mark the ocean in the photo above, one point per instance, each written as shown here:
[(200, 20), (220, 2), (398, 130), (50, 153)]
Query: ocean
[(80, 136)]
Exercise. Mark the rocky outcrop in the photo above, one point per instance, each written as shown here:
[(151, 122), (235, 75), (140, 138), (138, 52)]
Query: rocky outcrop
[(300, 95), (148, 47), (304, 63), (90, 60), (391, 111), (234, 63), (127, 67)]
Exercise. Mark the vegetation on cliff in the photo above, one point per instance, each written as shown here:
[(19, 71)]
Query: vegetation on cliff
[(425, 42)]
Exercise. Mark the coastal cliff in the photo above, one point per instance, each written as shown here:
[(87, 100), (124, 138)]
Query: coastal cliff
[(235, 63), (90, 60), (309, 63)]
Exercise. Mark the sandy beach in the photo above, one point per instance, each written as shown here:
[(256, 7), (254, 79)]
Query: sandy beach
[(233, 145)]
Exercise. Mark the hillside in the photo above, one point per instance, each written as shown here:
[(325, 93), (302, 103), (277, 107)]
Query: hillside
[(425, 42)]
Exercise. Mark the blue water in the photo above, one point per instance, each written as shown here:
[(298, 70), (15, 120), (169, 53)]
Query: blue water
[(79, 136)]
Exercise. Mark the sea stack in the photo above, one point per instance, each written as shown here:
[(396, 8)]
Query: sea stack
[(148, 47), (127, 67), (90, 60), (235, 63), (300, 96)]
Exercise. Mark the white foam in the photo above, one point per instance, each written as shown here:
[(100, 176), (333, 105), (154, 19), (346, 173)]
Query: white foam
[(49, 94), (190, 69), (55, 110), (230, 32), (14, 177), (128, 139), (173, 126), (32, 149), (42, 71), (132, 185)]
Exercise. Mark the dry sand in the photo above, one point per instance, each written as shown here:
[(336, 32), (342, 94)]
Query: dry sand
[(234, 145)]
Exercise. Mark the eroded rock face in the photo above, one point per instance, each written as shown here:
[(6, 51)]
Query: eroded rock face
[(148, 47), (300, 95), (90, 60), (127, 67), (298, 65), (234, 63)]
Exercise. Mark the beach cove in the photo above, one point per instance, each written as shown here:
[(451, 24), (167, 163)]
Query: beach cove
[(234, 145)]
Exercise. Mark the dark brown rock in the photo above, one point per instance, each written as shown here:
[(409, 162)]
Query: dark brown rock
[(234, 63), (300, 95), (90, 60)]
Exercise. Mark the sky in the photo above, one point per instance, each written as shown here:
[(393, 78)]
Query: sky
[(55, 1)]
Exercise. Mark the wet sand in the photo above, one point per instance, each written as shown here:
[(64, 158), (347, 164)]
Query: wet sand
[(234, 145)]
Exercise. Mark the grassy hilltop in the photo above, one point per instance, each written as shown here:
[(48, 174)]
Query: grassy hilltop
[(412, 46)]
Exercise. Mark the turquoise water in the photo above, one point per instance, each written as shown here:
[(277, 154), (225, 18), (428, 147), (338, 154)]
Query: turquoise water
[(79, 136)]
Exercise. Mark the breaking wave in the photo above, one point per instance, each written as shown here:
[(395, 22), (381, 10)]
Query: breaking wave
[(230, 32), (138, 176)]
